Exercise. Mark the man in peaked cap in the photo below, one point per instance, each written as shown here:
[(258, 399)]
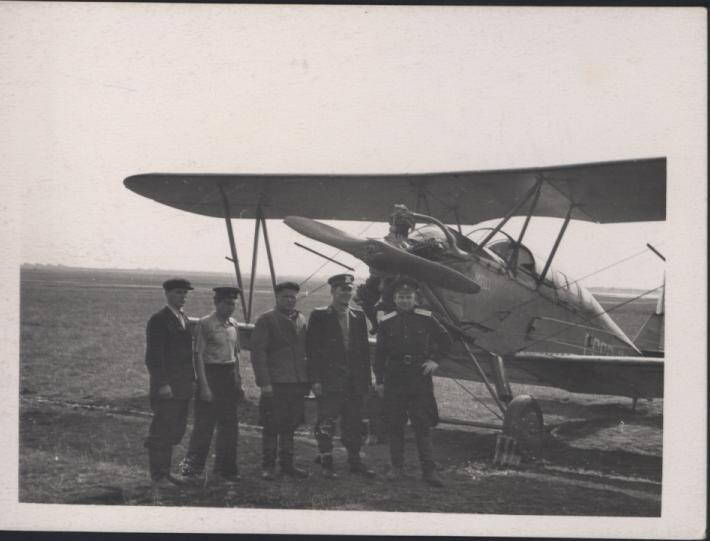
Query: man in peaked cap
[(278, 354), (339, 367), (168, 357), (410, 342), (219, 382)]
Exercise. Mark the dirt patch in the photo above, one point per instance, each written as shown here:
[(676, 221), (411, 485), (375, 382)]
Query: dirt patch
[(71, 455)]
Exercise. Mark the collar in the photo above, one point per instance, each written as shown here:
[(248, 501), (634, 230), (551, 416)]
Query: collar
[(293, 316), (229, 321), (177, 313)]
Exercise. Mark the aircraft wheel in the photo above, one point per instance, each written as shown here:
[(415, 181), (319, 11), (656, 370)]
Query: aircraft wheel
[(523, 422)]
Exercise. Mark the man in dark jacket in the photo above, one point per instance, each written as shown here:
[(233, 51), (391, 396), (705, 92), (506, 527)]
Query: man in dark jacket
[(168, 357), (278, 354), (410, 342), (339, 366)]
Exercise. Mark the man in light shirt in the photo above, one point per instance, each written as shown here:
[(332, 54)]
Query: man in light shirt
[(217, 365)]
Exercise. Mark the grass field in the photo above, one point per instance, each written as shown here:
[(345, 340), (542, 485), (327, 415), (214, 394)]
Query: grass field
[(84, 412)]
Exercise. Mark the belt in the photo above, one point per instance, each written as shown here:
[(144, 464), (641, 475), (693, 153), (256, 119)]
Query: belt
[(408, 359), (220, 365)]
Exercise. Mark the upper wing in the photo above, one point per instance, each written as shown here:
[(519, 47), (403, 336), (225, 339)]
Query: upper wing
[(604, 192)]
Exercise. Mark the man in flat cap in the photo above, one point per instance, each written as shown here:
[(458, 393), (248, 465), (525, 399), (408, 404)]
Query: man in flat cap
[(339, 367), (278, 354), (410, 342), (217, 366), (168, 357)]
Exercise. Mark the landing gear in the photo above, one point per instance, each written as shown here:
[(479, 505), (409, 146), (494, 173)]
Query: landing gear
[(523, 424)]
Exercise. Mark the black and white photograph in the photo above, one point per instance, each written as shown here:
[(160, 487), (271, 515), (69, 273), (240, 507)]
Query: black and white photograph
[(333, 269)]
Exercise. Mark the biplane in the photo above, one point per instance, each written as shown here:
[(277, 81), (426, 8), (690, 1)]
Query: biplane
[(514, 316)]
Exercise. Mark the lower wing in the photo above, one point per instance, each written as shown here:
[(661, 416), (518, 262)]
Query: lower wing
[(589, 374)]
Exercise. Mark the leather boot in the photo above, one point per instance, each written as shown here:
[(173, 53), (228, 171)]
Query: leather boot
[(158, 461), (356, 466), (396, 473), (293, 471), (286, 457), (431, 476), (396, 439), (326, 462)]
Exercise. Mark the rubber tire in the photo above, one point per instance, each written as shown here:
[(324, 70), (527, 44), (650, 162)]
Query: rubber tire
[(523, 421)]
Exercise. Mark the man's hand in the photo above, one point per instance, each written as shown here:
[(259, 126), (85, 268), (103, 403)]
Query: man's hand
[(165, 391), (205, 393), (380, 390), (267, 390), (317, 389), (429, 367)]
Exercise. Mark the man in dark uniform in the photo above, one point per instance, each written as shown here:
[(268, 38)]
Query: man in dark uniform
[(409, 344), (339, 367), (217, 365), (278, 354), (168, 357)]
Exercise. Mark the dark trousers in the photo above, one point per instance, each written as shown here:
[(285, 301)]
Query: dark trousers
[(347, 407), (280, 415), (221, 413), (420, 407), (166, 429)]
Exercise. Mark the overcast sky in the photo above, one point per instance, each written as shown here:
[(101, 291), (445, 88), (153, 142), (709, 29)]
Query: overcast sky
[(95, 93)]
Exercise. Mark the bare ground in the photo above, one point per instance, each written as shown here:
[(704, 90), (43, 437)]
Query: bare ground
[(92, 456)]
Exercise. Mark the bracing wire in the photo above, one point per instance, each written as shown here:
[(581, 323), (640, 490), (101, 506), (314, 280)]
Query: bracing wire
[(466, 389)]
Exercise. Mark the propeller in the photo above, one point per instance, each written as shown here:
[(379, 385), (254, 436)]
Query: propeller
[(384, 257)]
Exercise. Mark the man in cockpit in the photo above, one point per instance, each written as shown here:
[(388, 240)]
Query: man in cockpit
[(375, 295)]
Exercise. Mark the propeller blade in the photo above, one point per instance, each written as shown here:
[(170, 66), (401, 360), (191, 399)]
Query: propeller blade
[(324, 233), (384, 257)]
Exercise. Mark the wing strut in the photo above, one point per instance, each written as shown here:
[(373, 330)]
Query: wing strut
[(233, 247), (557, 243), (510, 214), (431, 296), (254, 256), (513, 263), (259, 223), (260, 214)]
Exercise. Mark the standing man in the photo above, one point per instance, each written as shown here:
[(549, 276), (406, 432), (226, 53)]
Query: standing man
[(217, 364), (339, 366), (168, 357), (410, 343), (278, 353)]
